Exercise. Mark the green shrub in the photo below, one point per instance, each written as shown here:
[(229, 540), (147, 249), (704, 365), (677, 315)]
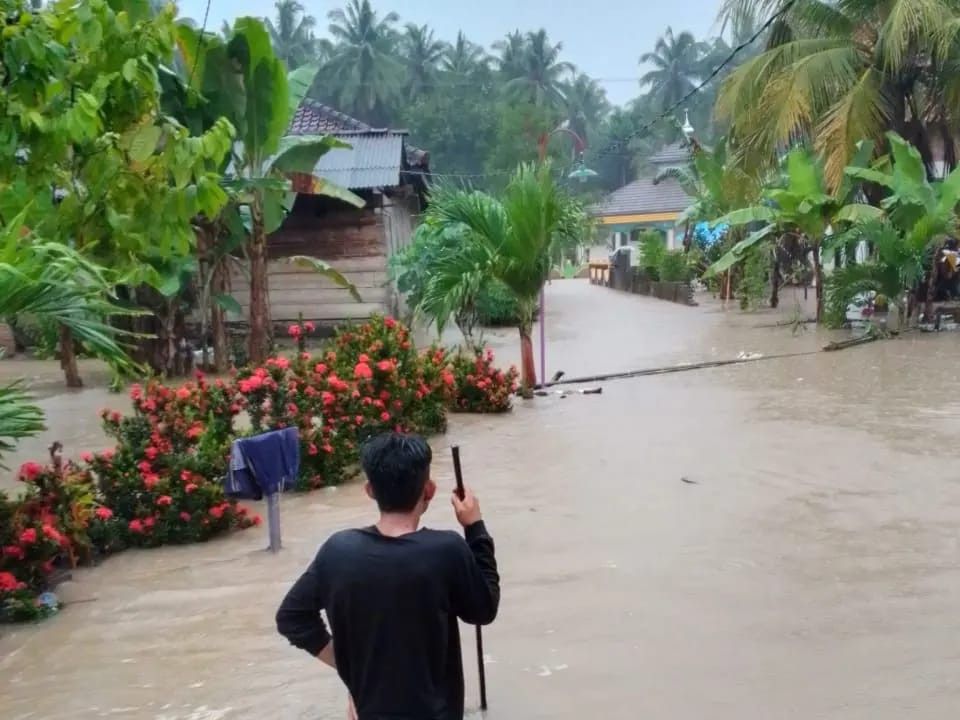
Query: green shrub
[(497, 306), (653, 248), (752, 286), (673, 267)]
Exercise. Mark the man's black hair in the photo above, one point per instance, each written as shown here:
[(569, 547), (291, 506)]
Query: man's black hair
[(398, 467)]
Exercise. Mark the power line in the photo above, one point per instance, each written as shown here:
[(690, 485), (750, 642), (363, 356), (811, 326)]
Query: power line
[(618, 144), (200, 42)]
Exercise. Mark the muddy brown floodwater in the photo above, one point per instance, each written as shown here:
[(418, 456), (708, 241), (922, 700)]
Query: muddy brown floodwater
[(810, 572)]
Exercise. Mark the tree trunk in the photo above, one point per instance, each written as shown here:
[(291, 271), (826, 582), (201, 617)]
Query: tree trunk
[(259, 340), (68, 359), (931, 286), (775, 280), (818, 276), (218, 320), (528, 377)]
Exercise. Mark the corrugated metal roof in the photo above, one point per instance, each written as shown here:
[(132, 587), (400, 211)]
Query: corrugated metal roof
[(373, 160), (643, 196)]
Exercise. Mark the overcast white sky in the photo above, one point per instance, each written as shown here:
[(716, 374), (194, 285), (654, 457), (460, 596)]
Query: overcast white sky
[(604, 38)]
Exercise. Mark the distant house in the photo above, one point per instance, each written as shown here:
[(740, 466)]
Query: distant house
[(644, 204), (385, 171)]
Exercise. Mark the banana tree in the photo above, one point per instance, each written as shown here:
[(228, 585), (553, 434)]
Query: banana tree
[(243, 79), (923, 213), (717, 186), (802, 208)]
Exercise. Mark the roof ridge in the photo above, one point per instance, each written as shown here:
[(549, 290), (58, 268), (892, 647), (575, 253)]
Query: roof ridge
[(337, 114)]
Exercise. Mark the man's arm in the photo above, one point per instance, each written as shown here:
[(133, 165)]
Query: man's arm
[(299, 619), (477, 584)]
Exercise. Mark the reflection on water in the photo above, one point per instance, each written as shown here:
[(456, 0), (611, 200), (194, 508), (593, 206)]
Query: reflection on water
[(810, 571)]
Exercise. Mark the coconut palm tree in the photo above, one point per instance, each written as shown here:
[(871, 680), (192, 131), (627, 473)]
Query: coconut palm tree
[(292, 34), (585, 105), (463, 58), (677, 66), (509, 238), (422, 53), (365, 60), (538, 75), (837, 73), (510, 58)]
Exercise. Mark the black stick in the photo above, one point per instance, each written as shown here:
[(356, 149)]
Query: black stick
[(458, 474)]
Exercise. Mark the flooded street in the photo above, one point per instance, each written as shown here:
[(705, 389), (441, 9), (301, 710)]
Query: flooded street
[(807, 570)]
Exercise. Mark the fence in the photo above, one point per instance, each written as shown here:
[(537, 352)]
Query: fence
[(635, 280)]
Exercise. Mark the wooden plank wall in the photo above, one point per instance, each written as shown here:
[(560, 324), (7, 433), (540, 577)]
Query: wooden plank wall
[(352, 241)]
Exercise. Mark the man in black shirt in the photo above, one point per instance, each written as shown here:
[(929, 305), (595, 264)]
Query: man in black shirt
[(392, 593)]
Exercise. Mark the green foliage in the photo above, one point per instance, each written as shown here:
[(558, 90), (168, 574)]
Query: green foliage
[(752, 285), (653, 249), (497, 306), (673, 266), (18, 418), (508, 238), (84, 119), (825, 79), (52, 283)]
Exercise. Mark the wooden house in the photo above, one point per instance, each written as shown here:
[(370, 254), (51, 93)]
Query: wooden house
[(385, 171)]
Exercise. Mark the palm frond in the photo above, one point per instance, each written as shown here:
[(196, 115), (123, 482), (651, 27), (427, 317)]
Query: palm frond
[(19, 418), (860, 114)]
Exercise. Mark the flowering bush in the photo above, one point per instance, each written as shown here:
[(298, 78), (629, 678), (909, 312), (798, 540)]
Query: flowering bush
[(479, 386), (370, 381), (162, 483), (398, 388), (299, 332)]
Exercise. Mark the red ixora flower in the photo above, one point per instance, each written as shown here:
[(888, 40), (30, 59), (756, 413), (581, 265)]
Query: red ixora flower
[(86, 457), (390, 322), (279, 362), (183, 393), (312, 449), (186, 475), (363, 358), (185, 516), (385, 416), (309, 326), (190, 487), (108, 454), (448, 378), (136, 391), (164, 501), (104, 513), (294, 331), (217, 511), (28, 536), (362, 371), (385, 365), (29, 471), (9, 582), (53, 534), (13, 551), (135, 526), (151, 452), (150, 479)]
